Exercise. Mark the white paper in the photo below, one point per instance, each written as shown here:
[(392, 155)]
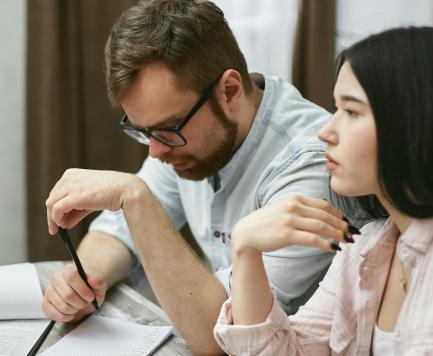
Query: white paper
[(21, 294), (102, 336), (17, 337)]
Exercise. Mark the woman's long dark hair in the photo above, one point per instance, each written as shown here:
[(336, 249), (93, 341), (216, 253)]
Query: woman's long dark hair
[(395, 69)]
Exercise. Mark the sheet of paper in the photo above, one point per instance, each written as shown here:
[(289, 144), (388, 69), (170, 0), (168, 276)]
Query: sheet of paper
[(17, 337), (21, 293), (102, 336)]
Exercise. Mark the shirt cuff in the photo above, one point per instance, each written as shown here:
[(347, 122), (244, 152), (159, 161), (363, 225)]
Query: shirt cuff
[(247, 339)]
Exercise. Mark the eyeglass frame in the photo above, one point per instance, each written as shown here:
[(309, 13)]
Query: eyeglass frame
[(176, 129)]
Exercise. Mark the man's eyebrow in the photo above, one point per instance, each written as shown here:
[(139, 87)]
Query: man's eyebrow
[(352, 98), (166, 122), (170, 121)]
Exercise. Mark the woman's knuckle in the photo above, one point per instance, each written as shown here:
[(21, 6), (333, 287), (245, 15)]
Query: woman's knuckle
[(316, 240), (315, 225), (296, 197), (288, 220)]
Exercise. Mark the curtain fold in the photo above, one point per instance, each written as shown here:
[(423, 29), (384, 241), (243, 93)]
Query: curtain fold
[(69, 120), (314, 53)]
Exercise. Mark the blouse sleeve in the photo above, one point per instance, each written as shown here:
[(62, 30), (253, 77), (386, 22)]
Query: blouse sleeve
[(305, 333)]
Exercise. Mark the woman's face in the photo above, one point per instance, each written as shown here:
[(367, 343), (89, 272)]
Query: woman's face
[(351, 139)]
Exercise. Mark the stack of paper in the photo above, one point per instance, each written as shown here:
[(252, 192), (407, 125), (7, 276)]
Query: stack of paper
[(20, 302), (21, 295)]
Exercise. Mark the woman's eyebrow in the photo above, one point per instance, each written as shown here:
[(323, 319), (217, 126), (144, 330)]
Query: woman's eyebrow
[(352, 98)]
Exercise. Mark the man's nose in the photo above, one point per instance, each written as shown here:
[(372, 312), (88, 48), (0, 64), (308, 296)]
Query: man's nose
[(156, 148)]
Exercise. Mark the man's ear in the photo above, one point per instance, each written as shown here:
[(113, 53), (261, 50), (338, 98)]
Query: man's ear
[(230, 90)]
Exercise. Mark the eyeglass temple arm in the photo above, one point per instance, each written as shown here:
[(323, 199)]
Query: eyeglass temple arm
[(205, 96)]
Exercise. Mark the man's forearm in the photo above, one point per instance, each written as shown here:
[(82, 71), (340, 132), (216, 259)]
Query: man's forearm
[(188, 292), (103, 254)]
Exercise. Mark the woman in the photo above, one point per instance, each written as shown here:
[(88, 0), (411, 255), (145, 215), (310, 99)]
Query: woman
[(376, 296)]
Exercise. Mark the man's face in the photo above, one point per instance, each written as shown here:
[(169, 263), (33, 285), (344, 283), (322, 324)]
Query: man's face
[(154, 102)]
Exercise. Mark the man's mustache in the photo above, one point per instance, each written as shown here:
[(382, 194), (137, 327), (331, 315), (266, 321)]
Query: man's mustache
[(174, 159)]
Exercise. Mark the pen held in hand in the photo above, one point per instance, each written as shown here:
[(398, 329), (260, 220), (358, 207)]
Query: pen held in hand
[(66, 239)]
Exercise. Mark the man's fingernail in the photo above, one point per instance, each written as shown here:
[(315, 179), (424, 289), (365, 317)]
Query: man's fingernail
[(89, 298), (335, 246)]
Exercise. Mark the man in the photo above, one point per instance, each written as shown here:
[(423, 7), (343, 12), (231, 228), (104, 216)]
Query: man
[(220, 147)]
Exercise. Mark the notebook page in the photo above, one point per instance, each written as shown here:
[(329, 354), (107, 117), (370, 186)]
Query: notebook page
[(21, 294), (17, 337), (102, 336)]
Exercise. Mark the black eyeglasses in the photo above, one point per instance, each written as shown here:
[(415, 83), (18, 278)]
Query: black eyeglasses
[(170, 136)]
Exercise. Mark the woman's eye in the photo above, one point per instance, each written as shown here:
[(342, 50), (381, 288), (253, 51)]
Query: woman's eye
[(352, 113)]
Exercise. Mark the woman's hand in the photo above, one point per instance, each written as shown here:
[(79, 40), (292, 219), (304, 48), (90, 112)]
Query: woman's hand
[(295, 220), (80, 192)]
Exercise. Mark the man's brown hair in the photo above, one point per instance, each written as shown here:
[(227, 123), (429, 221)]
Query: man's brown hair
[(190, 37)]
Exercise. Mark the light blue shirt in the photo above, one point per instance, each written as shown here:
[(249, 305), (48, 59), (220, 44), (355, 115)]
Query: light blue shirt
[(280, 156)]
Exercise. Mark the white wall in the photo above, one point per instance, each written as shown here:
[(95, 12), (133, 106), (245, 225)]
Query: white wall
[(265, 32), (356, 19), (265, 29), (12, 109)]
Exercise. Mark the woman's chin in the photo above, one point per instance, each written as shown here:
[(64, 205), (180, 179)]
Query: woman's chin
[(344, 188)]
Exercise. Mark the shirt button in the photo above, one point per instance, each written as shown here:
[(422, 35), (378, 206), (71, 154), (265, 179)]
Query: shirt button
[(216, 233)]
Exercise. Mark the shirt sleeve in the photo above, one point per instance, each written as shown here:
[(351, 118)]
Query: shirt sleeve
[(295, 271), (162, 181), (305, 333)]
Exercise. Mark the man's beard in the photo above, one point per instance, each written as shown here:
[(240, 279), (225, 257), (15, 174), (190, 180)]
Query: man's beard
[(218, 157)]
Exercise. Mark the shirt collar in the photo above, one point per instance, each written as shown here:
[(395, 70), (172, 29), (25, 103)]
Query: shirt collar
[(419, 234), (381, 243), (256, 133)]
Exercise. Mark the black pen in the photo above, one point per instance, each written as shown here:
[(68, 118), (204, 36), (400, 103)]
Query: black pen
[(66, 239)]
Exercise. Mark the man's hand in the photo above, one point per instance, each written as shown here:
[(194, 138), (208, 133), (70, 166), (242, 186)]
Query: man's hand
[(68, 298), (80, 192)]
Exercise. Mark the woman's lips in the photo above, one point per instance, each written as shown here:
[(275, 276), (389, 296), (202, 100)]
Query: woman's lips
[(331, 164)]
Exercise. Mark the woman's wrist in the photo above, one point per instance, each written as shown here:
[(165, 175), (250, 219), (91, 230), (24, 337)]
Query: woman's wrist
[(240, 245)]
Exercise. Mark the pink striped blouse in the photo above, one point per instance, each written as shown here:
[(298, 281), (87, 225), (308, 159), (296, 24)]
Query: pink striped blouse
[(340, 317)]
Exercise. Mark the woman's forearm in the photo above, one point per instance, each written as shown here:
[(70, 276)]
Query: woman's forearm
[(251, 294)]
